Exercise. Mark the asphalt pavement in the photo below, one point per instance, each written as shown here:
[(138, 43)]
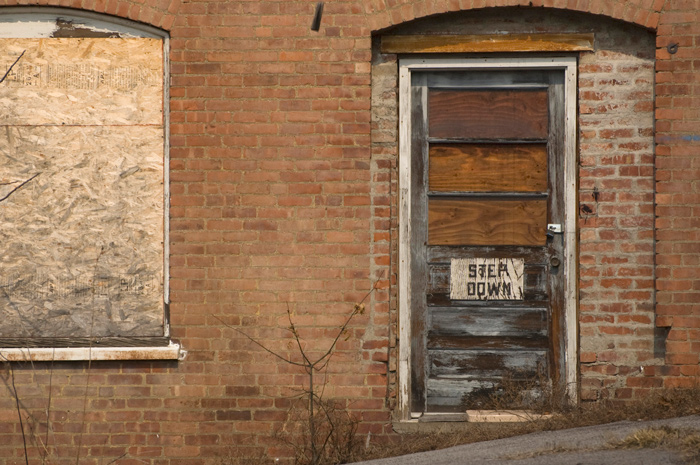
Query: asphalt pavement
[(576, 446)]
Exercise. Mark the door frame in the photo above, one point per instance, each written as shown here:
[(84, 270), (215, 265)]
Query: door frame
[(568, 64)]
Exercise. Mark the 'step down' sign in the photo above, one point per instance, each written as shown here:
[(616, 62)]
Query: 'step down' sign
[(486, 279)]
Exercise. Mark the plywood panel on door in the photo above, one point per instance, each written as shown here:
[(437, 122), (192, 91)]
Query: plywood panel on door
[(488, 167), (488, 114), (487, 222)]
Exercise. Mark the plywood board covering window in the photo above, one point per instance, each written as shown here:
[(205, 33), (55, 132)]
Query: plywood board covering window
[(82, 183)]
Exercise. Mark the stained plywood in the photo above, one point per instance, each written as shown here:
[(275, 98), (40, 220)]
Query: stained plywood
[(488, 114), (488, 167), (487, 43), (81, 174), (487, 222)]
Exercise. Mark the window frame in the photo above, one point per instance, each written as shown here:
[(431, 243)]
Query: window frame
[(146, 351)]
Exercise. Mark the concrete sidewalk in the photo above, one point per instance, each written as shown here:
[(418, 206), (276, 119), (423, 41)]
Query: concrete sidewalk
[(577, 446)]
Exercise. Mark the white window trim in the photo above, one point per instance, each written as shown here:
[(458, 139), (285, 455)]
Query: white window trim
[(37, 14), (406, 67), (173, 351)]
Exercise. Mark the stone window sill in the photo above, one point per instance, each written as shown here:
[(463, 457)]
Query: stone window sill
[(173, 351)]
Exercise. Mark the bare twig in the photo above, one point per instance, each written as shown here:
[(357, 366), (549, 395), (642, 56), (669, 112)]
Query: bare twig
[(48, 406), (359, 308), (12, 66), (244, 334), (89, 366), (18, 187), (19, 413), (293, 329), (315, 405)]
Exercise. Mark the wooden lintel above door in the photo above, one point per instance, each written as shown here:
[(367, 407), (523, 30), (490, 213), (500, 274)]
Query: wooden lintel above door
[(488, 43)]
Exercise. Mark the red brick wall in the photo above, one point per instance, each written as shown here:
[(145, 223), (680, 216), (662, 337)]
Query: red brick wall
[(282, 180), (677, 198), (616, 213)]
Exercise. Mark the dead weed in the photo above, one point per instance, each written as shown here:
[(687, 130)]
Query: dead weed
[(685, 441)]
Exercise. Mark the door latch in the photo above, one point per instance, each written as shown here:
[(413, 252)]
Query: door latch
[(554, 228)]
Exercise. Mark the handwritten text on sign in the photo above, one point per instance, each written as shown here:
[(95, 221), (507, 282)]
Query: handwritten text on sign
[(486, 279)]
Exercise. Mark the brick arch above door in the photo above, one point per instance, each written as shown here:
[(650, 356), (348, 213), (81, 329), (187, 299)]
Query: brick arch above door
[(383, 14)]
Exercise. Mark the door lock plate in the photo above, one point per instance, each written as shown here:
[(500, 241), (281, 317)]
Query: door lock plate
[(555, 228)]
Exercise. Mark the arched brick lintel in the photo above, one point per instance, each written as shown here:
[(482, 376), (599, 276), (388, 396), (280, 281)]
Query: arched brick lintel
[(159, 13), (644, 13)]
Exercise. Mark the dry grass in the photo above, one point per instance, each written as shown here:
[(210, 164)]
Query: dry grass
[(334, 434), (685, 441), (658, 405)]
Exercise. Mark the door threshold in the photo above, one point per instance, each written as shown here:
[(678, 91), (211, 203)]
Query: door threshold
[(430, 422), (442, 416)]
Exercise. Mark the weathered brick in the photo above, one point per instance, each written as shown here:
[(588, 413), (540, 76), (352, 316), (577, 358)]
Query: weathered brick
[(279, 194)]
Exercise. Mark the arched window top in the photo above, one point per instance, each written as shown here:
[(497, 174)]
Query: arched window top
[(47, 22), (84, 170)]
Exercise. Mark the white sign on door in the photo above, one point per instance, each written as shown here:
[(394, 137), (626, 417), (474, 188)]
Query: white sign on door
[(486, 279)]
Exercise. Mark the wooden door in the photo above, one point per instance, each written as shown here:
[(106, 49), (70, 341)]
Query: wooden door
[(487, 212)]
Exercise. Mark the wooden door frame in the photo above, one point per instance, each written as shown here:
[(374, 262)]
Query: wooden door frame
[(568, 64)]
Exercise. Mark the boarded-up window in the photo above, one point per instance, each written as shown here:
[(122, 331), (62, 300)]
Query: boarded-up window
[(82, 184)]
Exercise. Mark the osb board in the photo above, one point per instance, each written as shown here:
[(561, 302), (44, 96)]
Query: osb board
[(81, 178), (82, 81)]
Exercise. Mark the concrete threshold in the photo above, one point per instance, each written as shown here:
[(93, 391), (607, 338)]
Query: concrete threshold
[(504, 416)]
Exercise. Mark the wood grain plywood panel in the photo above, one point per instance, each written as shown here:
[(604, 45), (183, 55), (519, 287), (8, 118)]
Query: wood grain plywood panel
[(488, 114), (487, 222), (82, 82), (81, 231), (488, 168)]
